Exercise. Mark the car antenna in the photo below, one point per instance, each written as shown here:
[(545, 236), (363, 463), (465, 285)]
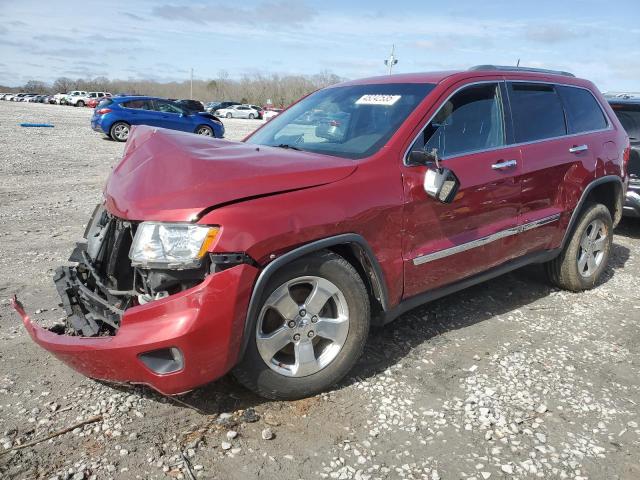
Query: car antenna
[(518, 64)]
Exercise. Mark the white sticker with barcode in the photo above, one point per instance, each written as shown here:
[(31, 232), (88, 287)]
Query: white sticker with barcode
[(371, 99)]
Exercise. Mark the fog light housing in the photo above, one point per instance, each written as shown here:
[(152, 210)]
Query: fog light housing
[(163, 361)]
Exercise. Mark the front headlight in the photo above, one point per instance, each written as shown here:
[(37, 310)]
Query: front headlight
[(171, 245)]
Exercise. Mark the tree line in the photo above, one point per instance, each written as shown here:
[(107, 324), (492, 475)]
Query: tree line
[(257, 89)]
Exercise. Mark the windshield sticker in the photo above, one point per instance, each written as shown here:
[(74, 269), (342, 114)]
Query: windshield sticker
[(386, 100)]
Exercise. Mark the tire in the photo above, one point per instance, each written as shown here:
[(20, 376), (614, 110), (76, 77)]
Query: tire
[(80, 103), (119, 131), (342, 293), (251, 116), (586, 254), (228, 115), (205, 130)]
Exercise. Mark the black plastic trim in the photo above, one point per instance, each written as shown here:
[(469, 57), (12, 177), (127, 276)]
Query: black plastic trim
[(576, 211), (275, 265), (429, 296)]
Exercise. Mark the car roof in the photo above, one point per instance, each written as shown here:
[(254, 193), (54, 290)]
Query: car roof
[(475, 72), (623, 100), (125, 98)]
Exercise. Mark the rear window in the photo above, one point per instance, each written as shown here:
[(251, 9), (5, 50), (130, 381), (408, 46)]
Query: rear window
[(583, 111), (629, 116), (537, 112), (104, 103)]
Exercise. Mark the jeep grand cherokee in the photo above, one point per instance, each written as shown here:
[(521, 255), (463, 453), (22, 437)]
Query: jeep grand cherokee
[(273, 256)]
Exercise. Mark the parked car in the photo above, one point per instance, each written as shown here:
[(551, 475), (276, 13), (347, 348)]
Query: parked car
[(76, 98), (238, 111), (115, 116), (260, 110), (92, 98), (269, 114), (211, 107), (59, 98), (273, 257), (627, 109), (191, 105)]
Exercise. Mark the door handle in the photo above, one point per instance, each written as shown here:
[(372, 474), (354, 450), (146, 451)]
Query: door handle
[(504, 164), (579, 148)]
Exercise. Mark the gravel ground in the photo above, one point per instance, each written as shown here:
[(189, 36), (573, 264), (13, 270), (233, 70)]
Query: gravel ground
[(510, 379)]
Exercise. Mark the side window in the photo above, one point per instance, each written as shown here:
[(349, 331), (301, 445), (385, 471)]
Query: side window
[(471, 120), (167, 107), (537, 112), (138, 105), (583, 112)]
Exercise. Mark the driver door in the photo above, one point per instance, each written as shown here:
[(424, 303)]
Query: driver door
[(446, 242)]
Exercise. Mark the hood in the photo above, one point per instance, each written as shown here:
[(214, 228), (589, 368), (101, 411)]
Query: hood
[(167, 175)]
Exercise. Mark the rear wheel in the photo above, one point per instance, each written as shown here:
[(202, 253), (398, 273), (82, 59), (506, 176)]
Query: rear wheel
[(120, 131), (205, 130), (228, 115), (586, 254), (311, 328), (80, 103), (251, 116)]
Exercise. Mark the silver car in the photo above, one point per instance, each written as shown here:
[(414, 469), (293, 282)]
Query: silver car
[(238, 111)]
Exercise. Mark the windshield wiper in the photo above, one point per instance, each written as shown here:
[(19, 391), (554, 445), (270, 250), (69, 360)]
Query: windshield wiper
[(286, 145)]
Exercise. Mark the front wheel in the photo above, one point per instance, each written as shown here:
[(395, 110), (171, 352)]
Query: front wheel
[(228, 115), (205, 130), (120, 131), (311, 329), (586, 254)]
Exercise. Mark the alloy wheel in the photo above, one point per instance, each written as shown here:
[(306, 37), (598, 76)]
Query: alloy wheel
[(121, 132), (592, 246), (207, 132), (303, 326)]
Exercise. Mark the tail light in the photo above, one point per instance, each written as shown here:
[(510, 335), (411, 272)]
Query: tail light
[(626, 156), (334, 123), (103, 111)]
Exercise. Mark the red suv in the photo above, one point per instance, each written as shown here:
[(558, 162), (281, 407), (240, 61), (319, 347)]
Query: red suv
[(273, 256)]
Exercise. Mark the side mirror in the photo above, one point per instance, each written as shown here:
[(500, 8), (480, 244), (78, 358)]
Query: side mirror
[(441, 183)]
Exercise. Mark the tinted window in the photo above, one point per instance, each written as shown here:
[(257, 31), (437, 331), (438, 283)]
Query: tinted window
[(583, 112), (167, 107), (629, 116), (138, 104), (537, 112), (471, 120)]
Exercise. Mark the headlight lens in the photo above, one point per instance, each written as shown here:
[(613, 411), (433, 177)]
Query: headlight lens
[(171, 245)]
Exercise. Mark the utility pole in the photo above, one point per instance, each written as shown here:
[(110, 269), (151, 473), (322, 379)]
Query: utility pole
[(392, 60), (191, 95)]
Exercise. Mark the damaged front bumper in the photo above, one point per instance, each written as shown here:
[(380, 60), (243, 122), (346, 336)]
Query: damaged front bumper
[(173, 344)]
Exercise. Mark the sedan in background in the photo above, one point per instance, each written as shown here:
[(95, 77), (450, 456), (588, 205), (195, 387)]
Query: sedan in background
[(238, 111), (269, 114), (115, 116)]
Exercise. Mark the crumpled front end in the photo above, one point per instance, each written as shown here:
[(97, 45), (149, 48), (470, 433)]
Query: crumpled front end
[(171, 330)]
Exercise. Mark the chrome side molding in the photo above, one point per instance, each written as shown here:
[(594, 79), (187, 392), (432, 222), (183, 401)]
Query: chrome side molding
[(430, 257)]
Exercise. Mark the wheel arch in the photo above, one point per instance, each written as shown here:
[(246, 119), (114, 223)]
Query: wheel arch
[(607, 190), (351, 246)]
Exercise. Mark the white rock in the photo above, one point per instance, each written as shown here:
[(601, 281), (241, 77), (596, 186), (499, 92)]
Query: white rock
[(507, 469), (267, 434), (542, 408), (225, 445), (231, 434)]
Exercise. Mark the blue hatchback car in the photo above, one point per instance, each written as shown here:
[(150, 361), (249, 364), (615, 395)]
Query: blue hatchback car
[(115, 116)]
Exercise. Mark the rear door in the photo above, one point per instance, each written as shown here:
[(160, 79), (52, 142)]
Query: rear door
[(557, 128), (447, 242), (140, 112)]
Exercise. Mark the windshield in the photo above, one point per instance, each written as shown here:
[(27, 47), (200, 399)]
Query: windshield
[(629, 116), (352, 122)]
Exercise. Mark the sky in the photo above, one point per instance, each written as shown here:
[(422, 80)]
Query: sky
[(164, 39)]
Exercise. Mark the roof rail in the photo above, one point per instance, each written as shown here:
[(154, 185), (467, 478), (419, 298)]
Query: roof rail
[(521, 69)]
